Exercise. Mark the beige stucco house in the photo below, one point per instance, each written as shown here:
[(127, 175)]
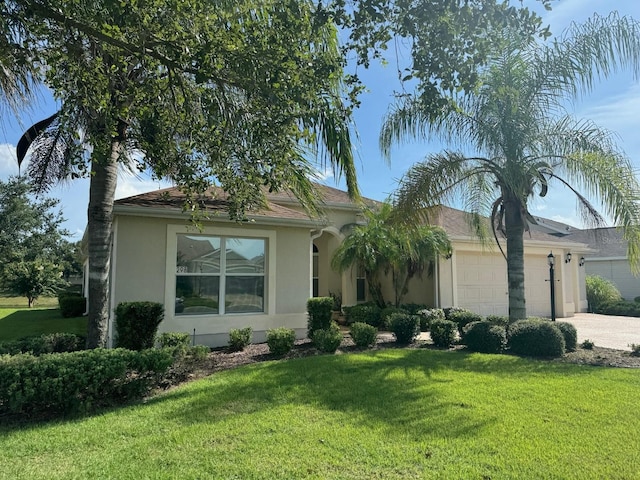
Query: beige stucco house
[(260, 273)]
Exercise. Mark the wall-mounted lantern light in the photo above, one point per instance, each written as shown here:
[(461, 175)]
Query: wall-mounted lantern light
[(581, 262), (567, 257)]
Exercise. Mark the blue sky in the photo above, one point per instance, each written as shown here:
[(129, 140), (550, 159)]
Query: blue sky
[(614, 105)]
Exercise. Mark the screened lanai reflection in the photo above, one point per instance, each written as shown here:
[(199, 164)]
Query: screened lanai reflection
[(216, 275)]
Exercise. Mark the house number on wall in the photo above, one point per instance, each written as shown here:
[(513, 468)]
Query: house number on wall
[(182, 269)]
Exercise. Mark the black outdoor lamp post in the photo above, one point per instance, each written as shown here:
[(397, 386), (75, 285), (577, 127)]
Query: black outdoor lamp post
[(552, 260)]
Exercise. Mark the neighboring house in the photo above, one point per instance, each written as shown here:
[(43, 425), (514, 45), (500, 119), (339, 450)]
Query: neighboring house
[(260, 273), (608, 258)]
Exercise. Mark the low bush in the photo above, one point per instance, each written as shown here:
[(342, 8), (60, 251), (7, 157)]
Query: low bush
[(365, 312), (385, 316), (570, 335), (328, 340), (404, 327), (535, 338), (463, 317), (78, 381), (485, 337), (280, 340), (239, 338), (47, 343), (599, 291), (443, 332), (450, 310), (413, 308), (363, 335), (635, 349), (72, 305), (137, 324), (619, 307), (502, 320), (428, 315), (174, 339), (319, 310), (587, 344)]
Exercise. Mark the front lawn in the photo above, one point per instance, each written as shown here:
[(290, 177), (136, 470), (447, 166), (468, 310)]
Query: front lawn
[(26, 322), (414, 413)]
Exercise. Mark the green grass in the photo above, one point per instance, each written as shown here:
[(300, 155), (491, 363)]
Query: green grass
[(21, 321), (382, 415)]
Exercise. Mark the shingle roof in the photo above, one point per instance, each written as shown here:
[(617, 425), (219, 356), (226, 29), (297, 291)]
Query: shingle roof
[(607, 242), (455, 223), (216, 202)]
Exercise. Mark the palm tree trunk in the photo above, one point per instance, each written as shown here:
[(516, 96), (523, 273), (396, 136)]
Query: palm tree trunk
[(99, 223), (514, 224)]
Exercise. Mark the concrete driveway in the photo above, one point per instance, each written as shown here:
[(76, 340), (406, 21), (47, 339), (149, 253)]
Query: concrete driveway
[(606, 330)]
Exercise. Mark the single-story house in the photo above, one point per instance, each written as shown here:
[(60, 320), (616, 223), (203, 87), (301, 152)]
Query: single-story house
[(608, 258), (260, 273)]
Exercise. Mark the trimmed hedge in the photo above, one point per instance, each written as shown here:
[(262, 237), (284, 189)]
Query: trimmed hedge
[(570, 335), (319, 310), (443, 332), (365, 312), (174, 339), (413, 308), (72, 305), (485, 337), (502, 320), (404, 327), (47, 343), (428, 315), (363, 335), (78, 381), (536, 338), (620, 307), (328, 340), (385, 316), (137, 324), (280, 340), (239, 338), (462, 318)]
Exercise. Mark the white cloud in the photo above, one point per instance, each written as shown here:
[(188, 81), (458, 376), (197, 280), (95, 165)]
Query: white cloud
[(8, 160), (324, 174), (130, 185)]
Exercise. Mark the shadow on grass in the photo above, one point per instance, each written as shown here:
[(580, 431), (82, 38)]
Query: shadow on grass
[(400, 391), (31, 322)]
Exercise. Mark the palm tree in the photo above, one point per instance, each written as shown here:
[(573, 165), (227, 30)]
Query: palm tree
[(383, 247), (517, 121)]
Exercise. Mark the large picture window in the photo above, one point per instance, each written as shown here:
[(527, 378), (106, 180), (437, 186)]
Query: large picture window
[(218, 275)]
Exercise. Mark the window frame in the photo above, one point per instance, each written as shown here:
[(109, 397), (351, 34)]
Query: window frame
[(224, 234)]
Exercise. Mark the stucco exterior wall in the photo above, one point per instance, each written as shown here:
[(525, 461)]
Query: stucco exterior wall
[(618, 271), (144, 269)]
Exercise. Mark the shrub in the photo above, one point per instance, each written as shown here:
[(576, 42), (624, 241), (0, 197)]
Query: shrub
[(280, 340), (365, 312), (599, 291), (319, 310), (78, 381), (328, 340), (337, 301), (413, 308), (485, 337), (636, 299), (449, 310), (198, 352), (502, 320), (587, 344), (429, 315), (385, 315), (137, 324), (620, 307), (535, 338), (463, 317), (47, 343), (570, 335), (239, 338), (72, 305), (363, 335), (174, 339), (635, 349), (443, 332), (404, 327)]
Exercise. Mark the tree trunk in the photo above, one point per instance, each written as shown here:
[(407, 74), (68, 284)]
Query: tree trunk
[(514, 224), (99, 224)]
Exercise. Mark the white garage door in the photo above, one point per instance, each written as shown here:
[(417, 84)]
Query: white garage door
[(482, 283)]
